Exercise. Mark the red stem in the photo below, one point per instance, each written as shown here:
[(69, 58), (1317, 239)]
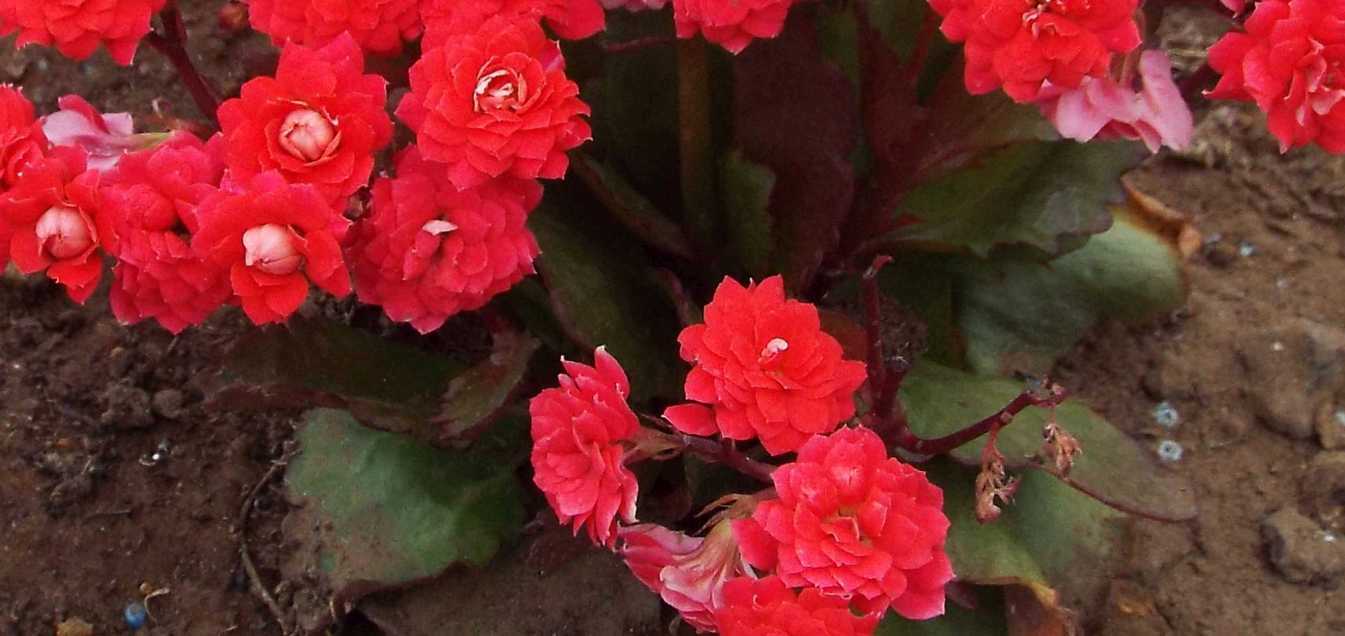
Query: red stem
[(1054, 396), (723, 452), (172, 45)]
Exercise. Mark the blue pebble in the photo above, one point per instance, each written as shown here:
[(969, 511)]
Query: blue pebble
[(135, 615)]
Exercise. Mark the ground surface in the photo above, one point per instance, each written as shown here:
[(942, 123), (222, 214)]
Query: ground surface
[(1252, 366)]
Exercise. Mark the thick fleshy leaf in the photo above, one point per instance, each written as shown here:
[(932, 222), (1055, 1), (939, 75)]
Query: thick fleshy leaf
[(478, 395), (630, 208), (604, 293), (986, 618), (746, 197), (1047, 196), (797, 114), (1051, 539), (1020, 315), (378, 510), (1112, 468), (314, 362)]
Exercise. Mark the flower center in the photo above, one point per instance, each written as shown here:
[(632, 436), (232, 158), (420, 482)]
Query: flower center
[(1038, 8), (309, 135), (773, 348), (63, 233), (273, 249), (437, 227), (499, 89)]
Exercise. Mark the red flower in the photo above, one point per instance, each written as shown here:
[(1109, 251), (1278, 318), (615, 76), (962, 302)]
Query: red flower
[(103, 138), (764, 368), (150, 211), (429, 251), (51, 214), (687, 572), (378, 26), (319, 120), (569, 19), (1104, 108), (732, 25), (274, 238), (577, 455), (756, 607), (1290, 61), (1018, 44), (77, 27), (21, 138), (496, 102), (855, 524)]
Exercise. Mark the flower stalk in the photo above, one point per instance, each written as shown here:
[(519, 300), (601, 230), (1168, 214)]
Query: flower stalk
[(172, 45)]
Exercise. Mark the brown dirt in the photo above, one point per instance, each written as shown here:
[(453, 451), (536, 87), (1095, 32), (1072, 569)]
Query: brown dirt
[(86, 521)]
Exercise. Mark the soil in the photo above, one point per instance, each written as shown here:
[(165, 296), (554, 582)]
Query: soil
[(113, 478)]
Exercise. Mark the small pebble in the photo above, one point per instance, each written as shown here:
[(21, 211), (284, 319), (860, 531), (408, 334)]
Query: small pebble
[(1166, 415), (1170, 451), (1246, 249), (135, 615), (1340, 417)]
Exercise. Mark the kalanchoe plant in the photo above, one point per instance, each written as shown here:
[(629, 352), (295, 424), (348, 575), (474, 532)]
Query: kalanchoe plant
[(807, 241)]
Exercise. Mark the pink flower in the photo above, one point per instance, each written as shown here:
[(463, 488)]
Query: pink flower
[(1105, 109), (763, 368), (1291, 62), (687, 572), (578, 459), (855, 524), (732, 25), (761, 607), (104, 138)]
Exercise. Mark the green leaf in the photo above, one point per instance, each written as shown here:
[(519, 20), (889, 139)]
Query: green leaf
[(630, 208), (477, 396), (1043, 195), (604, 294), (986, 619), (312, 362), (747, 190), (1022, 314), (1051, 539), (378, 510), (1112, 468)]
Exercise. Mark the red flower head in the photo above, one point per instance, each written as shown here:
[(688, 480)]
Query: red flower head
[(496, 102), (855, 524), (149, 213), (764, 368), (577, 452), (732, 25), (1291, 62), (429, 251), (1018, 44), (1104, 108), (569, 19), (103, 138), (378, 26), (21, 138), (77, 27), (687, 572), (319, 120), (51, 213), (274, 238), (753, 607)]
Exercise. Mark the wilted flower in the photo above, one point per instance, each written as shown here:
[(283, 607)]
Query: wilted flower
[(687, 572), (428, 251), (763, 368), (496, 102), (757, 607), (318, 121), (103, 138), (1290, 62), (1104, 108), (77, 27), (855, 524), (578, 458)]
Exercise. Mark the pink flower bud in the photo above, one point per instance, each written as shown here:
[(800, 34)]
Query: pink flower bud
[(271, 248), (309, 135), (63, 232)]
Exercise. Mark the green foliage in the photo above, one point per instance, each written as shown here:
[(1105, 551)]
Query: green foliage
[(381, 510), (986, 619), (1112, 468), (477, 396), (747, 190)]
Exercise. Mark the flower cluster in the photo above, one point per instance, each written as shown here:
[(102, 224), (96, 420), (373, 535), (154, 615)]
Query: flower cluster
[(846, 534)]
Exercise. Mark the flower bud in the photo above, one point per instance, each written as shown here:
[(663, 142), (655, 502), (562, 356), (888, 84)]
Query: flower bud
[(271, 248), (62, 232), (308, 135)]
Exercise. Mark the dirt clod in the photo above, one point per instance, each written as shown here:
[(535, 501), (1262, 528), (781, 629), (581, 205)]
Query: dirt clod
[(1293, 370), (1323, 490), (1301, 550)]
